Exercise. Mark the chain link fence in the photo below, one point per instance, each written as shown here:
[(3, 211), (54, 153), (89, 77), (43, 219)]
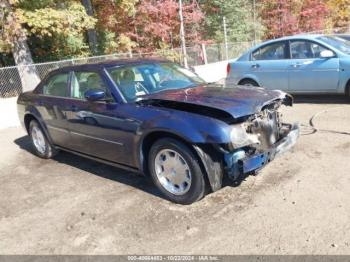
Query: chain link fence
[(16, 79)]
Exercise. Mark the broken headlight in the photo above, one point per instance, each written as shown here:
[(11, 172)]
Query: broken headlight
[(240, 137)]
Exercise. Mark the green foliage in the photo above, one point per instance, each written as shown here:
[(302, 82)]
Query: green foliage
[(55, 29), (67, 20), (239, 20), (107, 43)]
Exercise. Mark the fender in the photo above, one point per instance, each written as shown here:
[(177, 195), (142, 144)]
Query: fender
[(196, 130), (344, 75), (31, 110)]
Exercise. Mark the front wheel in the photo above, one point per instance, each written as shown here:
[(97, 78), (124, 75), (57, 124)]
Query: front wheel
[(176, 172), (41, 145)]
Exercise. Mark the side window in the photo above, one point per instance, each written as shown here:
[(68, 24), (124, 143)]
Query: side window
[(56, 85), (84, 81), (305, 50), (317, 49), (273, 51)]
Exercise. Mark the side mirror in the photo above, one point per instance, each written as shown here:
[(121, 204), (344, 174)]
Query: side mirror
[(95, 95), (327, 54)]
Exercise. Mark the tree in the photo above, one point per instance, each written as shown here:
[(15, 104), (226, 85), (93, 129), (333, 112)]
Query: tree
[(287, 17), (157, 24), (57, 30), (92, 35), (239, 18), (53, 29), (278, 18), (312, 15), (147, 25), (339, 13), (14, 38), (114, 19)]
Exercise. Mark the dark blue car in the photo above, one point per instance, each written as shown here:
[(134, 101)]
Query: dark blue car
[(159, 119)]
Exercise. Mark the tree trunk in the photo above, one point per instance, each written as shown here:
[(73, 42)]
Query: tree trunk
[(92, 35), (23, 58)]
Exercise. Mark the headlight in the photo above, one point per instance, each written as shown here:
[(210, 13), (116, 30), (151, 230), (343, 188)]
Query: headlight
[(240, 138)]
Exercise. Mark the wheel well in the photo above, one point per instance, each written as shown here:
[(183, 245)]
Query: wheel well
[(151, 138), (247, 79), (27, 119)]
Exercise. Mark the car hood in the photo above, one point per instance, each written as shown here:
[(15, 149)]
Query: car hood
[(237, 101)]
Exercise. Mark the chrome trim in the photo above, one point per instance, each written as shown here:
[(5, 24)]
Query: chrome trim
[(58, 129), (97, 138)]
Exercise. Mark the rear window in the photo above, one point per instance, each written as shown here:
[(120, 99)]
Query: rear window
[(274, 51), (56, 85)]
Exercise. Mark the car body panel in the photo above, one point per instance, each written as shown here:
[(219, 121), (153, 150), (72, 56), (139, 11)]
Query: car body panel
[(237, 101)]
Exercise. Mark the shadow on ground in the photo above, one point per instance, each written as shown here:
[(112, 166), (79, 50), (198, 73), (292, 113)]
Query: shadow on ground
[(110, 172), (321, 99), (98, 169)]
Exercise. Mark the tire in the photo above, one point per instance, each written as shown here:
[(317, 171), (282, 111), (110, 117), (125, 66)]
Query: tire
[(41, 145), (347, 91), (176, 172), (248, 82)]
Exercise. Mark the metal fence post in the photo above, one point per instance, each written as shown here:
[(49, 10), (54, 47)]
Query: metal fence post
[(204, 54)]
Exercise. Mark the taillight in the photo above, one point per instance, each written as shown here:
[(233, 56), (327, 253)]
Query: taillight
[(228, 68)]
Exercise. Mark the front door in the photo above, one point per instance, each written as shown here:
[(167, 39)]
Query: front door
[(309, 72), (96, 129)]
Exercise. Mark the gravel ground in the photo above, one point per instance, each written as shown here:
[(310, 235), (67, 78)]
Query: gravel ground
[(299, 204)]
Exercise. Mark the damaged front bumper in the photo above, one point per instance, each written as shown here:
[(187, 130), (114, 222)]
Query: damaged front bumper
[(239, 163)]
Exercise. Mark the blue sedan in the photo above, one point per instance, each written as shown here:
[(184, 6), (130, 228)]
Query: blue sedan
[(156, 118), (298, 64)]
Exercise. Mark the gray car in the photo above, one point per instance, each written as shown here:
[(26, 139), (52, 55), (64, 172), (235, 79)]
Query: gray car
[(297, 64)]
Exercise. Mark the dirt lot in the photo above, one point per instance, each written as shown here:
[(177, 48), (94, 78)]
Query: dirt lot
[(299, 204)]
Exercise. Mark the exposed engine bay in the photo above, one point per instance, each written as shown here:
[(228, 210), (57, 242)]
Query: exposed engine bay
[(264, 136), (267, 125)]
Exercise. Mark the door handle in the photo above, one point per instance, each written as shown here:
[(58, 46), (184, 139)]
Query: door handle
[(255, 66), (296, 65)]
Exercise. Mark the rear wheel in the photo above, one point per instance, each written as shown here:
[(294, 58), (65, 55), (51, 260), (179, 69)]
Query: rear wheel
[(176, 172), (248, 82), (41, 145)]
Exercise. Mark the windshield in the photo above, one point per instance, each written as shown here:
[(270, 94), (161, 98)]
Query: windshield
[(138, 80), (337, 42)]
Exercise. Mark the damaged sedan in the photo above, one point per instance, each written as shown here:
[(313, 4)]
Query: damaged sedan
[(156, 118)]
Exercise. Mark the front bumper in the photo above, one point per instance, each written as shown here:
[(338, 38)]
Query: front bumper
[(242, 164)]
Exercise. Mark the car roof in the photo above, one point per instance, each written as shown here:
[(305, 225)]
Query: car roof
[(299, 36), (109, 63)]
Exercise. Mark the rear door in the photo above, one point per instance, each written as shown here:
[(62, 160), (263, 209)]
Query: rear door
[(52, 106), (309, 72), (270, 64)]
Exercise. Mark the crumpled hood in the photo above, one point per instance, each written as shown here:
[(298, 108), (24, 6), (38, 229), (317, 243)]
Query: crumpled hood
[(237, 101)]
